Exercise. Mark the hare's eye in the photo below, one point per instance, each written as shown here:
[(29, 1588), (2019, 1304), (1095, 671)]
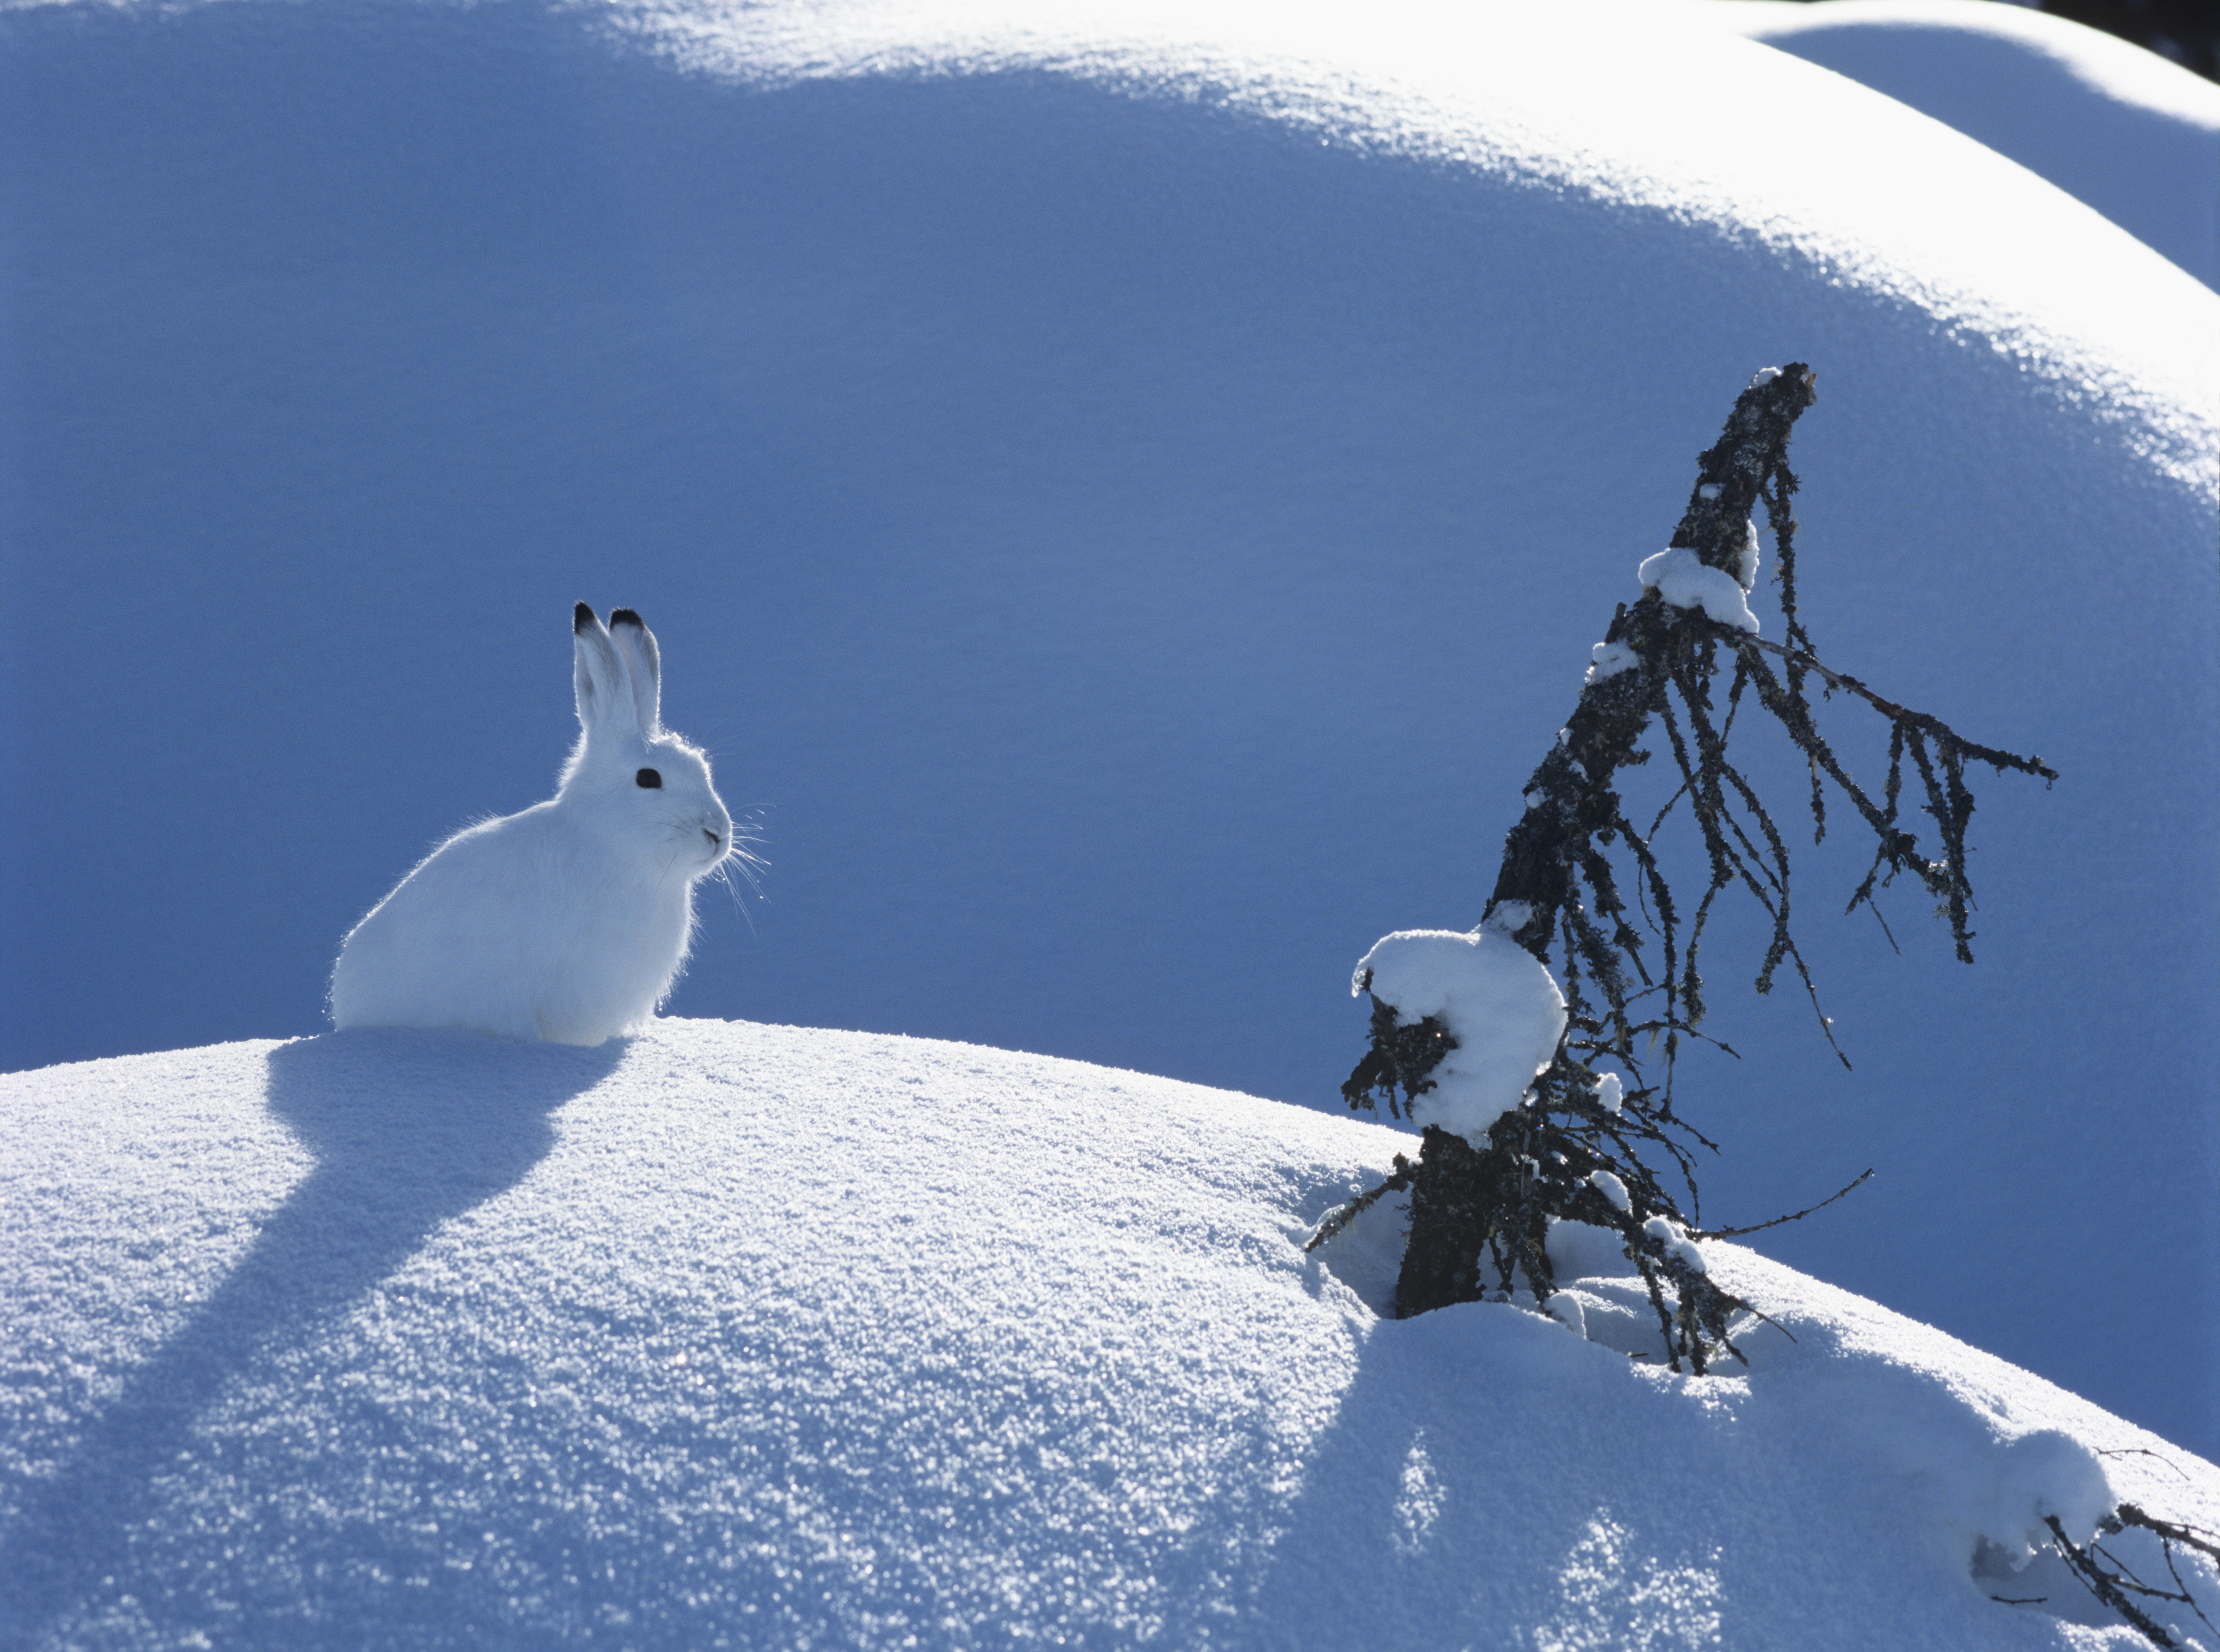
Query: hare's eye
[(648, 778)]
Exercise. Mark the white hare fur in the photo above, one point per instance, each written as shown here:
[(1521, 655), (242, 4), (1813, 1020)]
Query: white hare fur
[(569, 921)]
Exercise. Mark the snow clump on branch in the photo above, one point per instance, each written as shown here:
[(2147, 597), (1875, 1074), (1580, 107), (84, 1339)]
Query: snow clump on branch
[(1677, 1243), (1685, 583), (1610, 659), (1500, 1005)]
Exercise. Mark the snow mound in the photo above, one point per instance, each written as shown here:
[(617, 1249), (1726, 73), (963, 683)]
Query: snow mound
[(2134, 136), (1090, 456), (745, 1336), (1498, 1002)]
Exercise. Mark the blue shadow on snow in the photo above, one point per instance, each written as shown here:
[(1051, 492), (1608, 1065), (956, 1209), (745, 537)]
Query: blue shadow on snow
[(408, 1130)]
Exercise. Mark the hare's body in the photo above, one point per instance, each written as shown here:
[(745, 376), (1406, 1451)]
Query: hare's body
[(569, 921), (442, 949)]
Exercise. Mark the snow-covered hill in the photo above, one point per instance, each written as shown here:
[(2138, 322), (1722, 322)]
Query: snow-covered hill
[(2133, 136), (1127, 492), (743, 1336)]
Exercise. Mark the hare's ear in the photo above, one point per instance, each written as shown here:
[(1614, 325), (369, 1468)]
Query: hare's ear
[(643, 666), (605, 700)]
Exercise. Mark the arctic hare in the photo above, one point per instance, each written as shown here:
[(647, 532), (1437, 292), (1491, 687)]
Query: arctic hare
[(569, 921)]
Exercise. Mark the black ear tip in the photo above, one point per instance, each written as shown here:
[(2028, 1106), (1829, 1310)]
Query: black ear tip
[(627, 617), (582, 619)]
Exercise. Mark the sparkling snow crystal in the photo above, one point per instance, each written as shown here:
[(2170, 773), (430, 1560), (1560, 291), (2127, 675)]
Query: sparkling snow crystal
[(1499, 1003)]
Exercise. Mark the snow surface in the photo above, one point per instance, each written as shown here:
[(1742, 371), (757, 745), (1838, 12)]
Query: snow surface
[(732, 1334), (1499, 1003), (1127, 494), (2133, 136)]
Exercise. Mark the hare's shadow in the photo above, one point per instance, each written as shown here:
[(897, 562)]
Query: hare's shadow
[(408, 1130)]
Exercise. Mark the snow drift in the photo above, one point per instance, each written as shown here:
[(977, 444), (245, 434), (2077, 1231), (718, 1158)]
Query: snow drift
[(1134, 489), (2134, 136), (746, 1336)]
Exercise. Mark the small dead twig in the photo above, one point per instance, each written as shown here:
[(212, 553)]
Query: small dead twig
[(1736, 1232), (1338, 1220), (2113, 1584), (2144, 1451)]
